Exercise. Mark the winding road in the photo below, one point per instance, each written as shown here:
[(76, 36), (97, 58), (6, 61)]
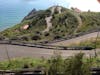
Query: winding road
[(15, 51), (22, 51), (76, 40)]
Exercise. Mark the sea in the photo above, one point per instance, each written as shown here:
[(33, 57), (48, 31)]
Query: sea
[(13, 11)]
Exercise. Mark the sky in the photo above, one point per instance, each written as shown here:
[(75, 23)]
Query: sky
[(13, 11), (84, 5)]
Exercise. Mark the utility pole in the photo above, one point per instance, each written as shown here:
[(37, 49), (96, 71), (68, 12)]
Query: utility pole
[(8, 57), (95, 46)]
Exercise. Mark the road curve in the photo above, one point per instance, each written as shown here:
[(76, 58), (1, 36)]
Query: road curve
[(76, 40), (22, 51)]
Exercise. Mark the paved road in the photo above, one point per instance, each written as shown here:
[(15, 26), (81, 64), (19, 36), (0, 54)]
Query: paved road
[(22, 51), (77, 39)]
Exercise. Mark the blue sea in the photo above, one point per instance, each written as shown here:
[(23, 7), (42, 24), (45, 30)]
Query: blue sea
[(13, 11)]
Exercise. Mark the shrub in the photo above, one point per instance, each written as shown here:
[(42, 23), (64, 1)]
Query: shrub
[(46, 34), (75, 66), (70, 66), (2, 37), (56, 65), (36, 37), (57, 37), (24, 38)]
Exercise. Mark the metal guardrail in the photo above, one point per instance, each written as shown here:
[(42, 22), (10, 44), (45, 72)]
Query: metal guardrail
[(44, 45), (74, 36), (95, 71), (28, 71)]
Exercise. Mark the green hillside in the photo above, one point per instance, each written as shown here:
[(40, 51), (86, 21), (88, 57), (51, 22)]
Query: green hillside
[(65, 22)]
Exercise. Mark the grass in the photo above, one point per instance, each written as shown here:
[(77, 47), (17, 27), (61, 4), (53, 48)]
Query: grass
[(19, 63), (75, 65), (91, 43), (63, 25)]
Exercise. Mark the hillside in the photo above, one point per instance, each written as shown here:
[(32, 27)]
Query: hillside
[(54, 23)]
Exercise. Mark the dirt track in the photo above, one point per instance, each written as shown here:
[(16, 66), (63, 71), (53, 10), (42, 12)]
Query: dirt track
[(21, 51), (48, 20)]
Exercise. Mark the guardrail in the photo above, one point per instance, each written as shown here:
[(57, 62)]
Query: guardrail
[(28, 71), (95, 71), (72, 36), (44, 46)]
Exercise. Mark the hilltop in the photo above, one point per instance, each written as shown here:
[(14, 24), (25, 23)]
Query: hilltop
[(52, 24)]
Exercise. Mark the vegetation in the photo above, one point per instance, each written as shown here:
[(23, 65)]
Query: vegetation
[(64, 25), (75, 65), (90, 21), (91, 43), (19, 63)]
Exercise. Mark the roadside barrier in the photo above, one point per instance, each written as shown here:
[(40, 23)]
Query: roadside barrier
[(32, 71), (45, 46)]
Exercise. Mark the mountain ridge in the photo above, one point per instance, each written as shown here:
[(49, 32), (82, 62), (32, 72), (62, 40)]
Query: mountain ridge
[(53, 23)]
